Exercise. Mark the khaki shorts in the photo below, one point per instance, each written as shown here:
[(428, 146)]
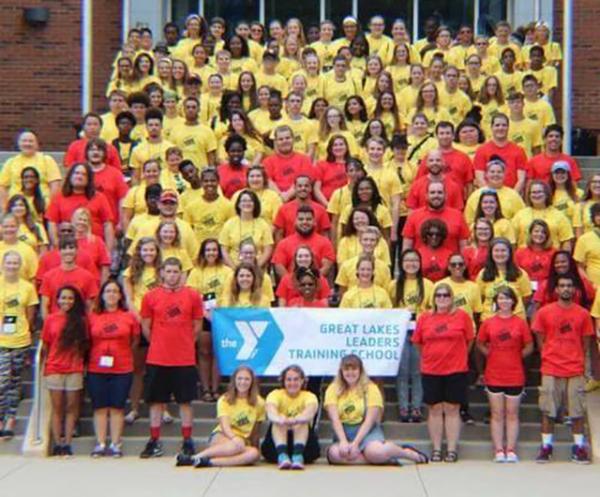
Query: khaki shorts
[(562, 392), (70, 382)]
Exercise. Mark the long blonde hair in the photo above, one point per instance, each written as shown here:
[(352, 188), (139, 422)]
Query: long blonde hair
[(231, 395), (341, 385)]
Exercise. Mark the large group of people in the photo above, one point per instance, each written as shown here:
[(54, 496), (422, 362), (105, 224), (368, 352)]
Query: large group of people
[(274, 167)]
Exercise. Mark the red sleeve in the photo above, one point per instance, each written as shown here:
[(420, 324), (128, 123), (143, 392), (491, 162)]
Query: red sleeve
[(92, 287), (69, 159), (483, 336), (267, 164), (307, 167), (282, 290), (588, 327), (538, 322), (410, 230), (104, 258), (422, 170), (467, 168), (146, 310), (328, 250), (105, 211), (526, 332), (279, 221), (112, 157), (412, 201), (418, 334), (465, 234), (46, 334), (123, 188), (135, 325), (319, 171), (46, 287), (480, 160), (323, 220), (468, 326), (280, 255), (455, 196), (52, 212), (520, 158), (196, 305), (575, 171)]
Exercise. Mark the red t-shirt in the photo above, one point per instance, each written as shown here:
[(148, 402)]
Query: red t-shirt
[(111, 183), (542, 298), (59, 361), (540, 166), (51, 260), (513, 155), (111, 335), (475, 258), (506, 338), (300, 302), (455, 222), (332, 176), (172, 314), (61, 209), (321, 247), (76, 154), (434, 262), (231, 179), (283, 170), (444, 340), (535, 262), (563, 329), (78, 277), (417, 196), (94, 247), (286, 217), (456, 164), (287, 291)]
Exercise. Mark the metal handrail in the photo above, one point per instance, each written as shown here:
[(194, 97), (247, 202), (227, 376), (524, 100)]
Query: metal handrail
[(36, 408)]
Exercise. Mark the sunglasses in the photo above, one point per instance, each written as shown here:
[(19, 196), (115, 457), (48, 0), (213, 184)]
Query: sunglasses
[(456, 264), (434, 233), (442, 295)]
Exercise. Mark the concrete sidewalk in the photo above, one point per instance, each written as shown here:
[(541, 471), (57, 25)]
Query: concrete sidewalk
[(131, 477)]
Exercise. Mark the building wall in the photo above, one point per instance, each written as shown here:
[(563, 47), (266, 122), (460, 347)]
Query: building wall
[(41, 68)]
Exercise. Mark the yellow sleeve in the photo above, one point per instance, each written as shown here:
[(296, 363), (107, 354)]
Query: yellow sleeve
[(129, 200), (331, 397), (374, 397), (52, 170), (476, 304), (223, 408), (565, 232), (524, 285), (261, 414), (595, 312)]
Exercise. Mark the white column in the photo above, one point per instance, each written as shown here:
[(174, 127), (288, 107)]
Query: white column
[(355, 8), (86, 56), (415, 28), (261, 11), (567, 73), (125, 19), (321, 10), (476, 17), (537, 10), (201, 7)]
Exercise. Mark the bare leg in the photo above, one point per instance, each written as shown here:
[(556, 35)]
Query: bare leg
[(279, 434), (186, 414), (386, 452), (137, 385), (577, 427), (156, 413), (57, 398), (101, 424), (117, 417), (512, 422), (249, 456), (452, 424), (72, 414), (497, 420), (335, 457), (204, 365), (435, 424), (300, 434), (548, 424)]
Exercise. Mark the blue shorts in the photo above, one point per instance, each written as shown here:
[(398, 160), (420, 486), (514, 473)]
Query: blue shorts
[(109, 390), (375, 434)]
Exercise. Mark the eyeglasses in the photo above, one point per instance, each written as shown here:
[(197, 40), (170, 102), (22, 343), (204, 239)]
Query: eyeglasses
[(456, 264), (442, 295)]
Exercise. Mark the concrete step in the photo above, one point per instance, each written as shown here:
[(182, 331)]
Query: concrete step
[(12, 446)]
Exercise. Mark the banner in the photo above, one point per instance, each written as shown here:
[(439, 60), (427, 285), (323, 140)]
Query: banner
[(268, 340)]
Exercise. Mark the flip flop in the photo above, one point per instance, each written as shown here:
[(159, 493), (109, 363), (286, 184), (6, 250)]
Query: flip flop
[(451, 456), (436, 456), (422, 457)]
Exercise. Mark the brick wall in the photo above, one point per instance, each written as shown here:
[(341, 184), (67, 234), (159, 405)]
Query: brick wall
[(41, 68)]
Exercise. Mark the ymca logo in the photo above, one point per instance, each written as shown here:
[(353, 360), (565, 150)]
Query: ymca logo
[(251, 332)]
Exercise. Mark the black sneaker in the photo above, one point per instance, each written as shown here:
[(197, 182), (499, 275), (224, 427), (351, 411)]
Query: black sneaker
[(579, 454), (67, 451), (184, 460), (56, 450), (187, 447), (544, 455), (201, 462), (467, 418), (153, 449)]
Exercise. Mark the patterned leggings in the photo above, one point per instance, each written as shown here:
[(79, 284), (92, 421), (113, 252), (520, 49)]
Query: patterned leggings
[(12, 362)]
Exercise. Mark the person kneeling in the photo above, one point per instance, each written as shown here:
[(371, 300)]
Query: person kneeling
[(291, 439)]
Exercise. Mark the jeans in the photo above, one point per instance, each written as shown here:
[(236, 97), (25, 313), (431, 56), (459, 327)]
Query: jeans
[(409, 373)]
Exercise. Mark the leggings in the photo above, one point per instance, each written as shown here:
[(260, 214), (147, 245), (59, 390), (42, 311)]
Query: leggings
[(12, 362)]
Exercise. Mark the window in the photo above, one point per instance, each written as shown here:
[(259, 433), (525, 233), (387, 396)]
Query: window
[(389, 9), (336, 10), (451, 14), (231, 10), (180, 9), (308, 11), (490, 12)]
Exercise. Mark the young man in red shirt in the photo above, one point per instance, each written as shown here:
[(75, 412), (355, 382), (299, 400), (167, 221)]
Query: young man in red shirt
[(513, 156), (563, 330), (171, 322), (92, 125), (540, 165), (285, 165), (285, 221), (458, 231), (68, 273), (306, 234)]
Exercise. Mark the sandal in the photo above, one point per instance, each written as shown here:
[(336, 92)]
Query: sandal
[(436, 456), (451, 456), (215, 396), (207, 396), (131, 417), (420, 457)]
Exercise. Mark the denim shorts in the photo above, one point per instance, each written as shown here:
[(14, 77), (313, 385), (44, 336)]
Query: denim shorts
[(375, 434), (108, 389)]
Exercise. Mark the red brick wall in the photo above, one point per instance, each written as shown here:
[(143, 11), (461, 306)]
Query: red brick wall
[(41, 78)]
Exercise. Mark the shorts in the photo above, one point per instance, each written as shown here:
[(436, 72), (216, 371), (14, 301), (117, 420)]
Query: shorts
[(206, 325), (68, 382), (507, 391), (449, 388), (161, 383), (375, 434), (312, 449), (562, 392), (109, 390)]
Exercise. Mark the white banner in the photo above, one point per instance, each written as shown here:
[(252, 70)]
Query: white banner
[(268, 340)]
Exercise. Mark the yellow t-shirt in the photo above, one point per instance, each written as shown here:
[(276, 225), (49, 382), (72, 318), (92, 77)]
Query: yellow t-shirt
[(340, 199), (180, 254), (418, 147), (552, 52), (338, 92), (27, 236), (467, 149), (406, 172), (411, 295), (304, 132), (146, 225), (382, 46), (242, 416), (275, 81), (582, 218), (457, 104), (325, 51), (244, 298), (109, 131), (488, 289), (351, 404), (147, 282), (29, 259), (407, 101), (195, 141), (169, 123), (374, 297), (347, 278), (466, 295), (208, 218), (547, 76), (510, 203), (387, 182), (540, 111), (433, 116), (324, 142), (527, 134), (349, 247), (235, 231), (209, 282), (400, 75), (587, 252), (291, 407), (495, 50), (560, 227), (45, 165), (15, 299), (270, 202), (562, 201), (510, 82), (146, 151), (254, 147)]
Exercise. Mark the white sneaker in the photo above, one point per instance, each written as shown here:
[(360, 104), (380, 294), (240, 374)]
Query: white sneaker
[(500, 456), (511, 456)]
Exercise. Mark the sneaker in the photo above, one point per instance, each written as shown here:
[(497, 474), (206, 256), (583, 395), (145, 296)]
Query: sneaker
[(153, 449), (56, 450), (591, 385), (77, 430), (404, 416), (297, 461), (283, 461), (545, 454), (500, 456), (167, 418), (467, 418), (567, 421), (114, 450), (201, 462), (184, 460), (131, 417), (416, 416), (579, 454), (188, 447), (511, 456), (99, 450), (67, 451)]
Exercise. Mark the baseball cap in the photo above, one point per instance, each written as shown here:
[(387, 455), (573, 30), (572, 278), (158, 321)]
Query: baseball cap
[(561, 165), (169, 196)]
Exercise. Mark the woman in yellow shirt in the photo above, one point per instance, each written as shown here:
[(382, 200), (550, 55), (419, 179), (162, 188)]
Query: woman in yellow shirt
[(201, 66), (32, 233), (355, 111), (143, 70), (583, 221), (248, 90), (491, 101), (466, 292), (125, 80), (366, 294), (180, 73), (354, 405), (134, 202), (386, 109), (291, 440), (372, 72), (488, 207), (240, 411), (290, 62), (240, 124), (208, 279), (333, 123), (400, 67), (169, 241), (18, 301), (468, 137), (565, 194), (260, 115), (10, 242), (407, 98), (245, 289), (258, 182), (428, 103)]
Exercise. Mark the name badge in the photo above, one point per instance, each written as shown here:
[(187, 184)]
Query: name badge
[(9, 325), (412, 325), (534, 285), (106, 361), (209, 301)]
